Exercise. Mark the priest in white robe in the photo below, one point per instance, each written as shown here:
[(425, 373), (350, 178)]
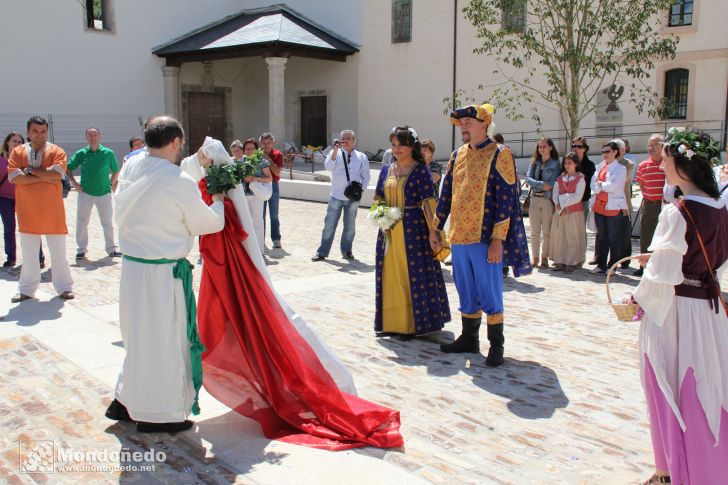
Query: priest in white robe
[(158, 213)]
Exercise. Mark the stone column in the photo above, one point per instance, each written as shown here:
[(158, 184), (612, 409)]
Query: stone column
[(171, 90), (276, 96)]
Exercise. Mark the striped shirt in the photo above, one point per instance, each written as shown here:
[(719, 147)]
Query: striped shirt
[(651, 179)]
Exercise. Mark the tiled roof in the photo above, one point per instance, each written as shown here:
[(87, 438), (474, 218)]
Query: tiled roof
[(274, 29)]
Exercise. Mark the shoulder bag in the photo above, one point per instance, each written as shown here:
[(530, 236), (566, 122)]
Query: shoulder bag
[(354, 190)]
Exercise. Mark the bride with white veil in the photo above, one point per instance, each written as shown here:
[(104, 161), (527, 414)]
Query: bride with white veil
[(261, 358), (330, 361)]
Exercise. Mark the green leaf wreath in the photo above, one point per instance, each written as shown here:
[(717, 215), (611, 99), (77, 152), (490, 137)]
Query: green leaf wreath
[(221, 178)]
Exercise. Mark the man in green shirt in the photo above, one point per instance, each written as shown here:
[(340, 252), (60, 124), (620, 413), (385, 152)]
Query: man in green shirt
[(99, 170)]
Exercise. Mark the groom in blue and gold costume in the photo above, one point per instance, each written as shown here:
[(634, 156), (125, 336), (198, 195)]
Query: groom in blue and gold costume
[(480, 194)]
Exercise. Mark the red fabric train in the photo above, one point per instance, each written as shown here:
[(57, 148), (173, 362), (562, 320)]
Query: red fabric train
[(258, 364)]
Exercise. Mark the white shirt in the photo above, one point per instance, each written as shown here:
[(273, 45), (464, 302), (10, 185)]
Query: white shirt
[(358, 171), (159, 210), (614, 185), (565, 200), (668, 193)]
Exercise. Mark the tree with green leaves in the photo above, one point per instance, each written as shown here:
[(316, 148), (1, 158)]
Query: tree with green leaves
[(578, 47)]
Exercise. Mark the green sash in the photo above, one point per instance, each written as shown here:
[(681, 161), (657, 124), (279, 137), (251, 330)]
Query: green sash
[(183, 271)]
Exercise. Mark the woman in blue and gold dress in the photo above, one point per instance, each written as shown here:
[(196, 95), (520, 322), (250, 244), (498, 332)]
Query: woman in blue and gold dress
[(411, 299)]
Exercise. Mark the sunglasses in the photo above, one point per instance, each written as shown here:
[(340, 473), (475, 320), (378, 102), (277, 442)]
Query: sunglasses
[(578, 146), (606, 151)]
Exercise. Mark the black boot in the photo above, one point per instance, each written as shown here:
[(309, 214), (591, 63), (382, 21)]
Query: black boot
[(496, 339), (118, 412), (468, 342)]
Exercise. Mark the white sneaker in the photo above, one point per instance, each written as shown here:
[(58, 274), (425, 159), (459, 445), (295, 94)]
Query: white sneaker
[(597, 270), (277, 244)]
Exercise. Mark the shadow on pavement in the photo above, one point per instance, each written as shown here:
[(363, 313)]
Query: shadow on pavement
[(13, 274), (236, 439), (584, 275), (89, 265), (425, 352), (533, 389), (229, 450), (353, 266), (513, 284), (277, 253), (32, 312)]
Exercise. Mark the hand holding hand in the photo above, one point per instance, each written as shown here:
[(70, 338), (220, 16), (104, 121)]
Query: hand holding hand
[(435, 243), (547, 187)]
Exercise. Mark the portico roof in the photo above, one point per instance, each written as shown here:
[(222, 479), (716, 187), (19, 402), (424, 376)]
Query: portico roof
[(277, 31)]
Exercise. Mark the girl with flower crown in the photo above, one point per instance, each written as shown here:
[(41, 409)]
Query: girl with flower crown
[(684, 329), (411, 298)]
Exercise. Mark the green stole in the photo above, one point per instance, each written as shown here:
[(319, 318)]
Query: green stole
[(183, 271)]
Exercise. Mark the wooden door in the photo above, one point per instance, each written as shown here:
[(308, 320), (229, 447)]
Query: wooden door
[(313, 121), (205, 117)]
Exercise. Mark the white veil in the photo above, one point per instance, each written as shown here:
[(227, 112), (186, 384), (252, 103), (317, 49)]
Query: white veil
[(329, 360)]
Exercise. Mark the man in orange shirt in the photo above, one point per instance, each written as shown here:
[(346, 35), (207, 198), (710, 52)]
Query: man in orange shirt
[(36, 169)]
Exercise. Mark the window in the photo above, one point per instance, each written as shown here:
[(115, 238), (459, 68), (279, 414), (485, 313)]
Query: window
[(513, 15), (681, 13), (676, 94), (401, 20), (99, 15)]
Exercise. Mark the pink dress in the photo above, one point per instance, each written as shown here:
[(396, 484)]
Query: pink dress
[(684, 343)]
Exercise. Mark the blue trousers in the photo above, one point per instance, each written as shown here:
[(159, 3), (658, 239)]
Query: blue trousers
[(274, 203), (7, 212), (479, 283), (333, 213), (610, 234)]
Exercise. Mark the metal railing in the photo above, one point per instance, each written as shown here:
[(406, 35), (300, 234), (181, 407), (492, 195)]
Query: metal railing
[(69, 130), (523, 143)]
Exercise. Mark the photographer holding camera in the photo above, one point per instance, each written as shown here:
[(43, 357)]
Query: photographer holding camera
[(349, 178)]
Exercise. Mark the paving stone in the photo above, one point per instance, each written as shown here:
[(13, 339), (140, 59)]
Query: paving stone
[(567, 407)]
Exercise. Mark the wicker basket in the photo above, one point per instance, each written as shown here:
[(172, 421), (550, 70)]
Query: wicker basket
[(625, 311)]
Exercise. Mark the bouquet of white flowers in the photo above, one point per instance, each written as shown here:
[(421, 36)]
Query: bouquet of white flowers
[(384, 217)]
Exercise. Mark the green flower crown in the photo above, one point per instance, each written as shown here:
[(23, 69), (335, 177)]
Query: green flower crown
[(690, 142)]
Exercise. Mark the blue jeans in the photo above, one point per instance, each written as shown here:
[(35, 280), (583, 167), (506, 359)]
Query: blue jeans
[(609, 239), (274, 204), (333, 213), (7, 212)]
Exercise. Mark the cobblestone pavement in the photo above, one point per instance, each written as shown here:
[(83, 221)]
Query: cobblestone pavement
[(567, 407)]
